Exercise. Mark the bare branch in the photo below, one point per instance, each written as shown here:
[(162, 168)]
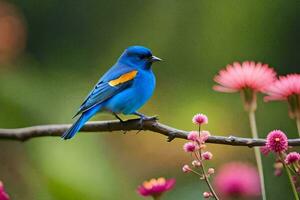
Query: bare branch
[(23, 134)]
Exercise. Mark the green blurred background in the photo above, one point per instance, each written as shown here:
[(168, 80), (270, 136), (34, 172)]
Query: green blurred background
[(52, 53)]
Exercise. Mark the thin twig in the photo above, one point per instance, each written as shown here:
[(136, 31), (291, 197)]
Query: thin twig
[(24, 134)]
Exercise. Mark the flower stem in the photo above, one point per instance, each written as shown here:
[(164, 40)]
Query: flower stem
[(291, 181), (298, 124), (257, 154), (156, 197), (206, 178)]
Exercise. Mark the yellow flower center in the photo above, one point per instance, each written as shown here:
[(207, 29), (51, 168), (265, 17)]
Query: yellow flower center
[(147, 185), (161, 181), (154, 182)]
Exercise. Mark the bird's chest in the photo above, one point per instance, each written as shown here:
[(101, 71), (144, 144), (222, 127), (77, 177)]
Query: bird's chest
[(139, 93), (144, 85)]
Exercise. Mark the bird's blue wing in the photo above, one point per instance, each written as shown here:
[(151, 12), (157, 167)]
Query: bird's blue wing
[(115, 80)]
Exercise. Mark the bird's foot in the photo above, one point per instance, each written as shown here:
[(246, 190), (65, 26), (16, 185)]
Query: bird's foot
[(149, 118), (146, 118), (119, 118)]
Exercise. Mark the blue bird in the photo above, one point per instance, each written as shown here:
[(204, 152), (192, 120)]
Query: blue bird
[(124, 88)]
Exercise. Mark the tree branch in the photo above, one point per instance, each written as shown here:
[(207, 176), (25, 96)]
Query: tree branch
[(23, 134)]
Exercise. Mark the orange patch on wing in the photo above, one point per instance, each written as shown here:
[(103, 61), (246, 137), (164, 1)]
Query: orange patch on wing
[(124, 78)]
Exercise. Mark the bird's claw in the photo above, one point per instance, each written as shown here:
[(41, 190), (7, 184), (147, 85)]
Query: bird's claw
[(143, 119), (146, 118)]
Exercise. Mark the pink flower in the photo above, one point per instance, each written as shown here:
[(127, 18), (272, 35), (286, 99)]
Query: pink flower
[(200, 119), (292, 158), (236, 77), (236, 179), (155, 187), (286, 88), (264, 150), (193, 136), (277, 172), (3, 195), (278, 166), (207, 155), (211, 171), (204, 135), (190, 147), (199, 138), (196, 163), (207, 195), (186, 168), (294, 179), (247, 78), (277, 141)]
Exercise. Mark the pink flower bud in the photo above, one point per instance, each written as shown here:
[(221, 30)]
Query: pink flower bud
[(190, 147), (186, 169), (211, 171), (277, 172), (264, 150), (200, 119), (207, 155), (204, 135), (292, 157), (196, 163), (193, 136), (207, 194), (294, 179)]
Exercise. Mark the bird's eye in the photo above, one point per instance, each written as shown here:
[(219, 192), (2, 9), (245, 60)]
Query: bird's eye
[(142, 57)]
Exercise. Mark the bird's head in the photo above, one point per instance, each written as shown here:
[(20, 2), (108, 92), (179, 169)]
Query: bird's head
[(138, 57)]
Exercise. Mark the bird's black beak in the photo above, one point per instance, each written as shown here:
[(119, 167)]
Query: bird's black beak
[(155, 59)]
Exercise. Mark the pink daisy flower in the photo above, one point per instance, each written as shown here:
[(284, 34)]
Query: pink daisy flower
[(156, 187), (283, 88), (3, 195), (237, 180), (286, 88), (292, 157), (277, 141), (247, 78), (248, 75)]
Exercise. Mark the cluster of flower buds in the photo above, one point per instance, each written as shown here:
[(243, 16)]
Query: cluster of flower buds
[(196, 146), (196, 141), (277, 142)]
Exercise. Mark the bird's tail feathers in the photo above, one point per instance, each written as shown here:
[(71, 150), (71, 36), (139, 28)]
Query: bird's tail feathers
[(85, 116)]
